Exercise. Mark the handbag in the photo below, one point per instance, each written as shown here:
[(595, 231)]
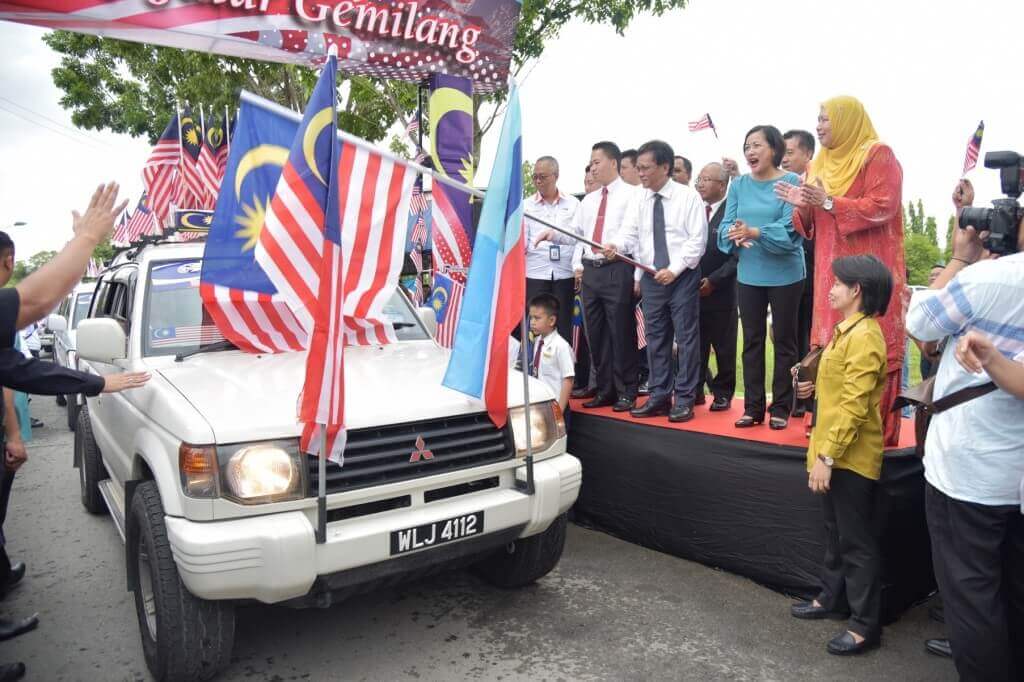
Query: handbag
[(921, 396)]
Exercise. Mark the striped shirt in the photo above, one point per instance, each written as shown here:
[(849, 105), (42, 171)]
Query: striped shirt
[(973, 452)]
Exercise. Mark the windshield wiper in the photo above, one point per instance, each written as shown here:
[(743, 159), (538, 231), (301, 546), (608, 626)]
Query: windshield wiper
[(403, 325), (208, 348)]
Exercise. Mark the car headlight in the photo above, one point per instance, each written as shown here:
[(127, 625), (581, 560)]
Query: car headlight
[(262, 472), (247, 473), (546, 426)]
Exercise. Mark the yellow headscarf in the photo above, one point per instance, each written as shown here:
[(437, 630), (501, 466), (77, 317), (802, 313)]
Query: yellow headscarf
[(853, 136)]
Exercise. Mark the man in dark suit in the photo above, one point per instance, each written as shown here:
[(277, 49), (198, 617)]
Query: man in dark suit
[(718, 316)]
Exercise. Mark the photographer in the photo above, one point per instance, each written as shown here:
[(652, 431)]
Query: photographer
[(974, 462)]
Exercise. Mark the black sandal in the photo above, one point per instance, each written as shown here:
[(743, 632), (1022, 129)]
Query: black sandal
[(746, 421), (778, 423)]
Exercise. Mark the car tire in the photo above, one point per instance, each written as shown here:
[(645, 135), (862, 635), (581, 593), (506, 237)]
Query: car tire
[(62, 400), (73, 410), (183, 637), (90, 465), (526, 560)]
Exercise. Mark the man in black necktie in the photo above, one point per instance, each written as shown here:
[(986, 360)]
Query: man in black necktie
[(669, 227), (718, 317)]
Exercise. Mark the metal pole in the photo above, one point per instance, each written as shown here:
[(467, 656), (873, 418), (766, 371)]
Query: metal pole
[(439, 177), (524, 336), (321, 494)]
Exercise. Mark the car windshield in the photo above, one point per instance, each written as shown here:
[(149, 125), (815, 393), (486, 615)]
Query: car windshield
[(176, 322), (81, 308)]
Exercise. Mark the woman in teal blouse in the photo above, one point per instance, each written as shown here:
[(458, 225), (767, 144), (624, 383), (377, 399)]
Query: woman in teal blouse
[(770, 272)]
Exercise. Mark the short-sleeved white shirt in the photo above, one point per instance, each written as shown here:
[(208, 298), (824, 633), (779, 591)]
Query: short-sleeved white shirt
[(557, 362)]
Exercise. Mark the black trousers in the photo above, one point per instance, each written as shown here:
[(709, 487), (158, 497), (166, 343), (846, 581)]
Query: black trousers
[(718, 329), (978, 555), (673, 312), (607, 295), (851, 579), (562, 289), (785, 303), (6, 481)]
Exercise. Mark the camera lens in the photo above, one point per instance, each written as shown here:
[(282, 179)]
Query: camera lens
[(979, 218)]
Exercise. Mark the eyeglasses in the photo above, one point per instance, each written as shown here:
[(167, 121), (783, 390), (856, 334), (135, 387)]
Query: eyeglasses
[(704, 178), (541, 176)]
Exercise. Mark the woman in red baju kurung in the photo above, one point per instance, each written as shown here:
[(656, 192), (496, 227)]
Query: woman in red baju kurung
[(852, 203)]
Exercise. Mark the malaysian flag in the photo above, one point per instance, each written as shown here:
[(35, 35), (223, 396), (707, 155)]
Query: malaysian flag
[(192, 193), (974, 148), (94, 268), (193, 335), (160, 174), (641, 331), (335, 281), (120, 236), (577, 323), (703, 123), (143, 221), (210, 169), (446, 300)]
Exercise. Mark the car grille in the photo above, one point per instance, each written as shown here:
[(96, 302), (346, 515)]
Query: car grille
[(382, 455)]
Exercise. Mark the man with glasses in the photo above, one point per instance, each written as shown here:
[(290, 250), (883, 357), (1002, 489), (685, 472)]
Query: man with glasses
[(549, 265), (718, 317)]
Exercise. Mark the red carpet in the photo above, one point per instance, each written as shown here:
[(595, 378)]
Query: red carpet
[(721, 424)]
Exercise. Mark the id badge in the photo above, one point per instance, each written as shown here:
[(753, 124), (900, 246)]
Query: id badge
[(554, 252)]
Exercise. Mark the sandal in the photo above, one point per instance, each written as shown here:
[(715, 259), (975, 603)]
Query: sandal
[(778, 423), (746, 421)]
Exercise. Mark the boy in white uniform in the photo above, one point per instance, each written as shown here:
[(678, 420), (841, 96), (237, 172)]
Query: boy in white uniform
[(552, 360)]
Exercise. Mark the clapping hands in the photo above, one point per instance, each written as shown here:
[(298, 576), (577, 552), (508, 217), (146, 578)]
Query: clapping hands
[(742, 234)]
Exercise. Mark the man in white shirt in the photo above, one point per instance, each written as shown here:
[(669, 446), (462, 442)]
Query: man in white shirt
[(606, 289), (682, 170), (627, 168), (549, 265), (669, 227), (974, 458)]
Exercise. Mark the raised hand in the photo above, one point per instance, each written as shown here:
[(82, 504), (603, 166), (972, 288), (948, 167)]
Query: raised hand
[(963, 194), (790, 193), (98, 221)]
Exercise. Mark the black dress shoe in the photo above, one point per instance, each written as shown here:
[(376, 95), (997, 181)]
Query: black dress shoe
[(939, 647), (806, 610), (720, 404), (600, 401), (845, 645), (624, 405), (580, 393), (37, 424), (680, 413), (12, 628), (652, 408), (747, 421), (14, 577), (9, 672)]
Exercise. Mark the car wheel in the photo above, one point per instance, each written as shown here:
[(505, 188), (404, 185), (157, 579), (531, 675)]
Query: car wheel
[(73, 410), (526, 560), (183, 637), (61, 400), (90, 465)]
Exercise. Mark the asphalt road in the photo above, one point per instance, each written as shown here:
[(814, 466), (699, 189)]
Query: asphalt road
[(611, 610)]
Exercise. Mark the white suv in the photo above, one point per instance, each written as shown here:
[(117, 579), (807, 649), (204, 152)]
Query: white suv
[(201, 472)]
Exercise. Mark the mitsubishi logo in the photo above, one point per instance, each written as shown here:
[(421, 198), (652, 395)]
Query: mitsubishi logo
[(420, 451)]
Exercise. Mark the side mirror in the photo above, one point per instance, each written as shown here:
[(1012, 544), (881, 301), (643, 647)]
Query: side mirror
[(56, 323), (429, 319), (102, 339)]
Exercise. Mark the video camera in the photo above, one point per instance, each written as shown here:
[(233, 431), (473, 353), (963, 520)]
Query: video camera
[(1002, 221)]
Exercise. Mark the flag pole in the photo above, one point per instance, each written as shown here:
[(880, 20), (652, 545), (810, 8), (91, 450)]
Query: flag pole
[(524, 335), (321, 493), (439, 177)]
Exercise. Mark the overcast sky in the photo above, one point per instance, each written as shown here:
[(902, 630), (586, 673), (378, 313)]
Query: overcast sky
[(926, 71)]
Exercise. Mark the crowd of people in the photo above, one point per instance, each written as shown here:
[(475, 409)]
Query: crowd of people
[(810, 245)]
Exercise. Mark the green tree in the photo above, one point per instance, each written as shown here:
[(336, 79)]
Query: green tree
[(947, 252), (920, 242), (132, 88), (528, 179)]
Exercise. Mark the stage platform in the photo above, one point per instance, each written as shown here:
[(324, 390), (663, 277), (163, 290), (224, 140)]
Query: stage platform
[(737, 499)]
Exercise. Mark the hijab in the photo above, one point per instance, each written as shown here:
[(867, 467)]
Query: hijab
[(853, 136)]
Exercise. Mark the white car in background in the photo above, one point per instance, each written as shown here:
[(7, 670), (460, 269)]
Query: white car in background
[(201, 473), (63, 324)]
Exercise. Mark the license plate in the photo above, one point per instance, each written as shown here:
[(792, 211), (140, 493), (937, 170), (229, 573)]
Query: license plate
[(436, 533)]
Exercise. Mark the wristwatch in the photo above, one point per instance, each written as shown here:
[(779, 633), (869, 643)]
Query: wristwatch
[(827, 460), (827, 204)]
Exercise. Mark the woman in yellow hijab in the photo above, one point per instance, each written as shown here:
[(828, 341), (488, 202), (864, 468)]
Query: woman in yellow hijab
[(852, 204)]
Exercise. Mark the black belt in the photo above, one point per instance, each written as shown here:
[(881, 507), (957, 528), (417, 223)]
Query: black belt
[(602, 263)]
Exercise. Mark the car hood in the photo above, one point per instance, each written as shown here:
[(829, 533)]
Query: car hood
[(247, 397)]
